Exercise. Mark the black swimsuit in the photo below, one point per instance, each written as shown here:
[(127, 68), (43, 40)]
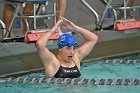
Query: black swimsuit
[(65, 72)]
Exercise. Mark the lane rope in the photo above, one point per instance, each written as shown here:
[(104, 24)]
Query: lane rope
[(73, 81), (122, 61)]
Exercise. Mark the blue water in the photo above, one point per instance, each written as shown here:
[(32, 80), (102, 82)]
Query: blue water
[(94, 69)]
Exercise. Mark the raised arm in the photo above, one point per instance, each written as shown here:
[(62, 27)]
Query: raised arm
[(45, 55), (90, 38)]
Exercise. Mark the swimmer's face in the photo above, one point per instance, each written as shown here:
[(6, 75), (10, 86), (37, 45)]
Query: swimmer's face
[(68, 52)]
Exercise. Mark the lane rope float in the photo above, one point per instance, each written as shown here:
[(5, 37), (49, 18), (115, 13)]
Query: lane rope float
[(73, 81)]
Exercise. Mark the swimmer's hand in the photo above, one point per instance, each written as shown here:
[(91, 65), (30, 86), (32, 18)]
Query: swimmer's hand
[(68, 25)]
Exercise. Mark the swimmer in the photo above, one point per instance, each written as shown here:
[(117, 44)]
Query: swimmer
[(66, 64)]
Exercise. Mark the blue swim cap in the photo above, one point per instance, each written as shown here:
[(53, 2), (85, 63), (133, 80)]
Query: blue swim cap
[(66, 40)]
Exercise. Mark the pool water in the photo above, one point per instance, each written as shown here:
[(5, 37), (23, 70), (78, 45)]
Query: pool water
[(95, 69)]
